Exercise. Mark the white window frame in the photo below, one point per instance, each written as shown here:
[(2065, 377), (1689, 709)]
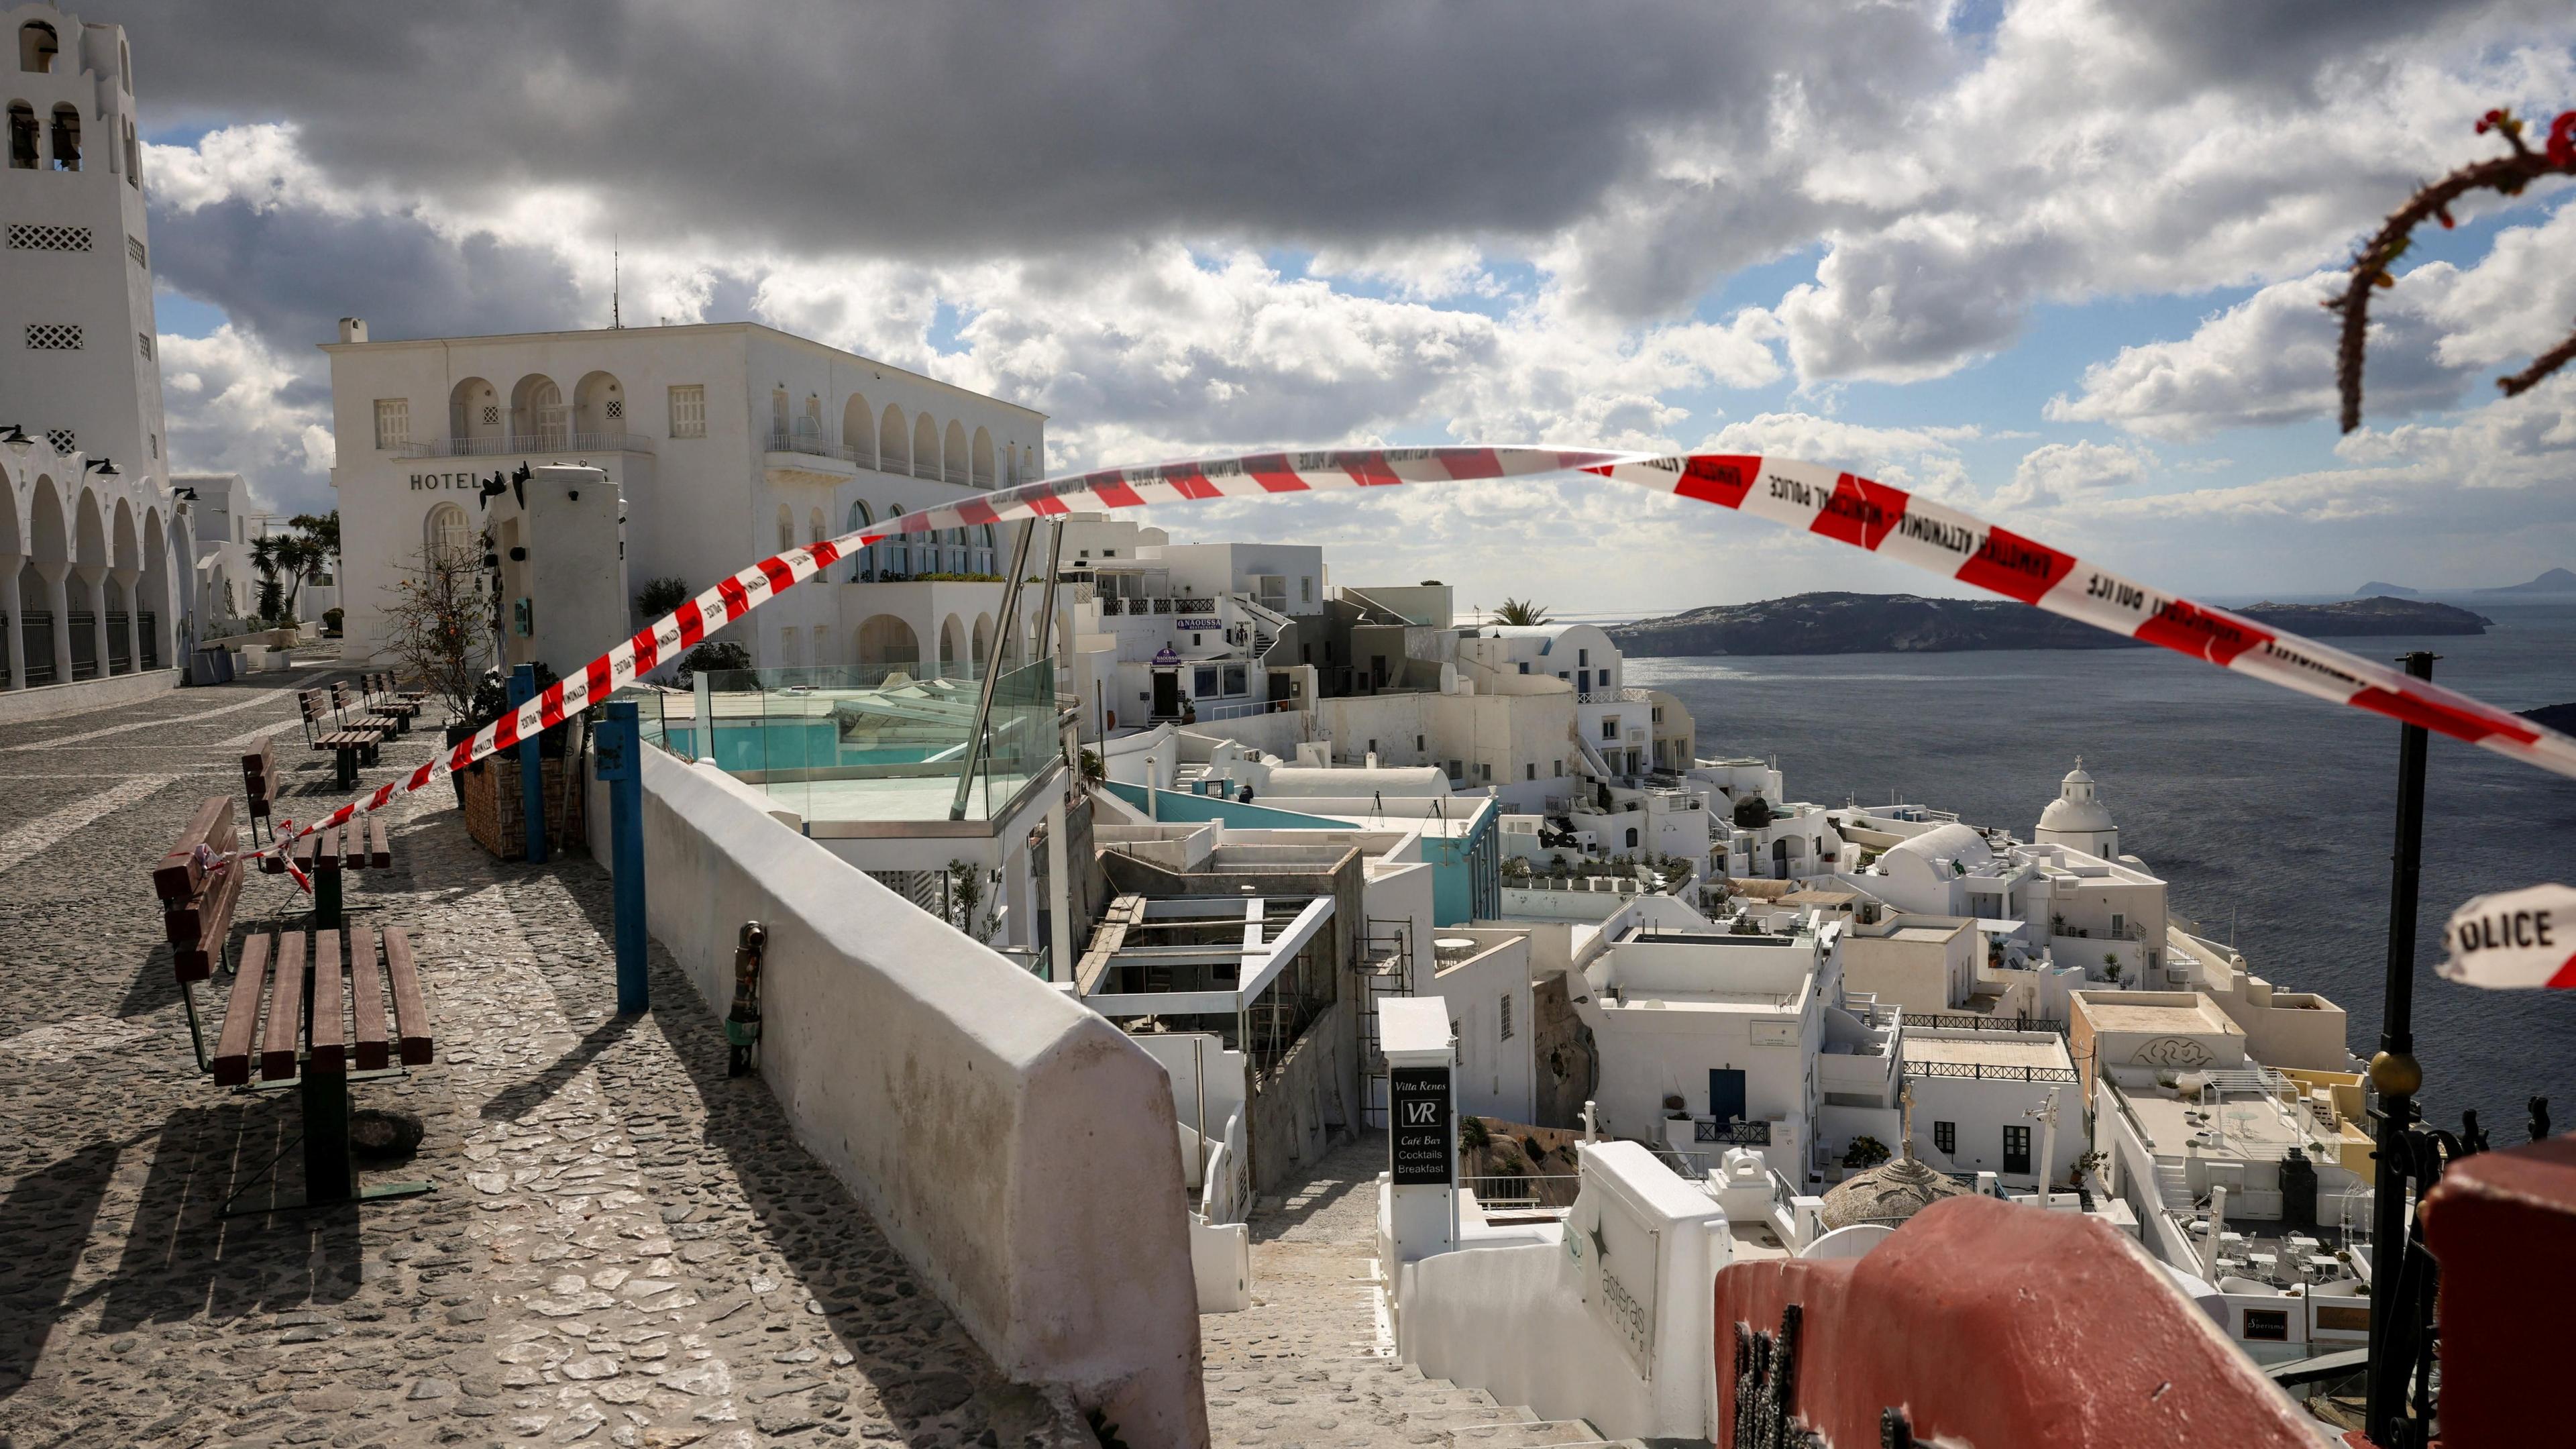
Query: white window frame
[(393, 422), (689, 410)]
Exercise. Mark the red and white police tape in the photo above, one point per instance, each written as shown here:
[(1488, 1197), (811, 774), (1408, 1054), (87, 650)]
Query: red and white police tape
[(1815, 497), (2515, 938)]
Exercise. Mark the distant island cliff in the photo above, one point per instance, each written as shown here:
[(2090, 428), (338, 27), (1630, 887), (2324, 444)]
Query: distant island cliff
[(1839, 623)]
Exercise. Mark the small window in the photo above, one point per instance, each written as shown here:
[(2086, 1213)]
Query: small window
[(1109, 553), (393, 422), (2119, 923), (156, 443), (1582, 657), (1530, 770), (1610, 728), (786, 528), (1560, 769), (1632, 838), (1417, 744), (54, 336), (1484, 770), (1305, 590), (64, 440), (2267, 1325), (1524, 666), (1203, 682), (143, 345), (1945, 1137), (1457, 769), (689, 411), (1506, 1003)]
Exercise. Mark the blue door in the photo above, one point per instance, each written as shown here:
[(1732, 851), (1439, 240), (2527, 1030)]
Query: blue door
[(1726, 1094)]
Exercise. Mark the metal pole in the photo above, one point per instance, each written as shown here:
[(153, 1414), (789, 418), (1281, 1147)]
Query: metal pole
[(2398, 1076), (992, 672), (621, 764), (1046, 612), (532, 766)]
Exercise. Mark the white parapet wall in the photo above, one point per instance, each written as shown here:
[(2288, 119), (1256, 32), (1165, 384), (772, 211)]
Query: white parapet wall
[(1610, 1320), (1015, 1146)]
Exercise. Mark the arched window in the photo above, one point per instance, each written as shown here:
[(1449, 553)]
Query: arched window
[(24, 153), (67, 147), (813, 526), (133, 157), (599, 407), (981, 455), (538, 418), (896, 551), (892, 454), (778, 411), (447, 534), (863, 562), (925, 447), (474, 412), (1632, 838), (786, 528), (37, 47), (954, 454), (859, 432), (809, 424)]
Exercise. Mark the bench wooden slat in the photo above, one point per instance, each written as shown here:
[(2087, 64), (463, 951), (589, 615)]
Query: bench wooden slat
[(194, 958), (367, 1001), (380, 850), (354, 843), (184, 920), (410, 1012), (241, 1016), (285, 1010), (330, 1033), (176, 877)]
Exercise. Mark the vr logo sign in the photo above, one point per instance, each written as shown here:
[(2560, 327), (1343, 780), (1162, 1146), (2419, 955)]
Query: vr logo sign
[(1419, 1145)]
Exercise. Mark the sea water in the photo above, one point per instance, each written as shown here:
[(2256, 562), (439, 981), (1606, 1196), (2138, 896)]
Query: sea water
[(2272, 815)]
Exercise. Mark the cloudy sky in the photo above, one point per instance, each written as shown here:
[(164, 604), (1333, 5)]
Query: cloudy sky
[(2054, 260)]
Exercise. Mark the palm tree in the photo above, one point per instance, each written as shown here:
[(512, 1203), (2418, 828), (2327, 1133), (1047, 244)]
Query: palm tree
[(1520, 611)]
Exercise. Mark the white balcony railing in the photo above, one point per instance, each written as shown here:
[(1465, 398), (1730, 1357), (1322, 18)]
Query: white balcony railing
[(545, 440)]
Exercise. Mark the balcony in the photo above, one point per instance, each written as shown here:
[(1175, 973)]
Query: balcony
[(811, 442), (527, 445)]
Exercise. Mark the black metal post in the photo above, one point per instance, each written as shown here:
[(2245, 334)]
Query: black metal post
[(2398, 1077)]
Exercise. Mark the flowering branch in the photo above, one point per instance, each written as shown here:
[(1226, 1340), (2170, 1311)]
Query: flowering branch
[(2370, 266)]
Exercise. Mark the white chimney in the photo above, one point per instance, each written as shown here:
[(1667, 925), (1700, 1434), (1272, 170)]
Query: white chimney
[(353, 329)]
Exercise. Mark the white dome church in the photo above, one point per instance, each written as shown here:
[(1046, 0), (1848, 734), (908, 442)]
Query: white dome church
[(2077, 818)]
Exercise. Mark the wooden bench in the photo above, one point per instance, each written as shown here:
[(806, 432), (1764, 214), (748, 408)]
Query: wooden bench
[(383, 698), (259, 786), (362, 844), (357, 713), (323, 730), (197, 896), (316, 1023)]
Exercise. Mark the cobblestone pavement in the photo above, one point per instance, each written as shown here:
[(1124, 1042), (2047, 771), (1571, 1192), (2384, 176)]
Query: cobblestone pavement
[(625, 1247), (1310, 1363)]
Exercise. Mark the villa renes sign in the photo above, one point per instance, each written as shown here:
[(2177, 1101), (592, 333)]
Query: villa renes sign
[(1418, 1106)]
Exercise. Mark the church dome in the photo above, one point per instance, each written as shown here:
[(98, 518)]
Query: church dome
[(2078, 808), (1888, 1193)]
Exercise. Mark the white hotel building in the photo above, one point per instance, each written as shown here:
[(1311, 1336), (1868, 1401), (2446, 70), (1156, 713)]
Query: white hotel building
[(731, 441)]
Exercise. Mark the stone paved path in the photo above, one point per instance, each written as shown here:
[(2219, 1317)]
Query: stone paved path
[(1309, 1363), (625, 1246)]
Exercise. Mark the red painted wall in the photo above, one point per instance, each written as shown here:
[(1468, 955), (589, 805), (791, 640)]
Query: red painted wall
[(2004, 1327)]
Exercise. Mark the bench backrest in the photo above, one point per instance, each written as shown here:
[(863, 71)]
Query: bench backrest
[(177, 875), (259, 770)]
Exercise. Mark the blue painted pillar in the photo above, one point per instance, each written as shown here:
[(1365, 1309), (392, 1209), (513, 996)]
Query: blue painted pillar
[(618, 749), (532, 766)]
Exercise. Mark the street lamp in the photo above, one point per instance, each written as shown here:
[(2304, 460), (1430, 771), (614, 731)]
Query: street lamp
[(18, 441), (105, 468)]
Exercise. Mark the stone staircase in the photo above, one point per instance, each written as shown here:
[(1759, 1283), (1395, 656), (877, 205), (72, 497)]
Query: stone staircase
[(1370, 1403)]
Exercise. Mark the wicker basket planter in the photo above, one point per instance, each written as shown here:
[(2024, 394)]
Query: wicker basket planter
[(496, 808)]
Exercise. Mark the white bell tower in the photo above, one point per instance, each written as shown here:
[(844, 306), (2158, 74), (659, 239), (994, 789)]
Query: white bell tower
[(2077, 817)]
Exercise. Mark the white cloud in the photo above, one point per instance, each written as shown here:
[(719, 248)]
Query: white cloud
[(243, 409), (2270, 359), (2054, 473)]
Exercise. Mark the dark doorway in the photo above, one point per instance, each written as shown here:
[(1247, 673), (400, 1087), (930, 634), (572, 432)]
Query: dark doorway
[(1726, 1094), (1167, 695), (2016, 1149)]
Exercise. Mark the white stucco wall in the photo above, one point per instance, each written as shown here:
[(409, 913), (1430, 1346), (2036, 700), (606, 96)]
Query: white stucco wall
[(1015, 1147), (1527, 1322)]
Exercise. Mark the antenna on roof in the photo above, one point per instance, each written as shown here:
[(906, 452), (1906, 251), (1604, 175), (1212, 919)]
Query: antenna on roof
[(615, 277)]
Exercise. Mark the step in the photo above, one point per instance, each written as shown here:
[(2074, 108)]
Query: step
[(1534, 1434)]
